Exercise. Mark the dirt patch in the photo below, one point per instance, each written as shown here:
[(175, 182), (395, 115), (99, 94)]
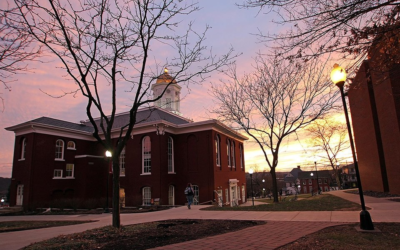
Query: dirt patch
[(144, 236)]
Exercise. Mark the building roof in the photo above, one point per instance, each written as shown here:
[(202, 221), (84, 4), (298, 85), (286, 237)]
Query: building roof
[(321, 174), (146, 115), (165, 78)]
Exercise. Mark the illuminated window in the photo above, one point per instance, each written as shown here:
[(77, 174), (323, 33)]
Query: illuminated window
[(71, 145), (69, 171)]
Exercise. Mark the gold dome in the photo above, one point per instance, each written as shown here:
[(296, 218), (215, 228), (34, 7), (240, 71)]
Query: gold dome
[(165, 78)]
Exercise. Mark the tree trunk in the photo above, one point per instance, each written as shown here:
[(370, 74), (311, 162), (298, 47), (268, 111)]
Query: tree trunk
[(116, 222), (274, 185)]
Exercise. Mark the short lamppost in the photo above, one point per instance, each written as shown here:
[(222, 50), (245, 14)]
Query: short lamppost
[(338, 76), (337, 172), (312, 184), (108, 157), (251, 171)]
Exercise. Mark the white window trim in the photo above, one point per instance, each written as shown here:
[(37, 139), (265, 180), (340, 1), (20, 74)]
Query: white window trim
[(218, 151), (228, 146), (62, 150), (56, 177), (172, 152), (143, 191), (122, 159), (233, 155), (143, 145), (23, 150)]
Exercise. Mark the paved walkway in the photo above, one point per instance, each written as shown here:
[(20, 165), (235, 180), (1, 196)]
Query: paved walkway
[(282, 227)]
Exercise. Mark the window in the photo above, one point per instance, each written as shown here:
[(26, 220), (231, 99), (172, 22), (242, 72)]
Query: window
[(228, 151), (171, 195), (23, 148), (146, 196), (69, 171), (243, 195), (226, 196), (57, 173), (168, 102), (170, 155), (325, 181), (304, 182), (59, 150), (217, 150), (71, 145), (233, 155), (241, 156), (122, 163), (146, 155)]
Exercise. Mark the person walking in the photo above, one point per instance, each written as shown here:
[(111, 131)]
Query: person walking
[(189, 192)]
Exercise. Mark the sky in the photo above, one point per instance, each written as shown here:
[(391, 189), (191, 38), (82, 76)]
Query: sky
[(230, 27)]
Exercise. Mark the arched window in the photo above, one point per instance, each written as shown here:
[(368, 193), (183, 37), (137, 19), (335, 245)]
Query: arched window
[(122, 163), (233, 154), (217, 150), (228, 152), (171, 195), (23, 148), (241, 156), (59, 150), (146, 196), (146, 155), (170, 155), (71, 145)]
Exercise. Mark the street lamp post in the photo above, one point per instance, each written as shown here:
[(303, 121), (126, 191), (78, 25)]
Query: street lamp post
[(316, 172), (108, 157), (263, 180), (251, 171), (338, 76)]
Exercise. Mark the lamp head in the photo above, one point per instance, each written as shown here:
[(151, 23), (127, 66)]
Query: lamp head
[(312, 174), (251, 171), (263, 180), (338, 75), (108, 154)]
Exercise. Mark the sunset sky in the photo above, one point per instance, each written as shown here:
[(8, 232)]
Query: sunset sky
[(231, 26)]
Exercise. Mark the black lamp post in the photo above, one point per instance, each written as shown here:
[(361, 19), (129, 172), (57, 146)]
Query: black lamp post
[(108, 157), (338, 76), (316, 172), (251, 171)]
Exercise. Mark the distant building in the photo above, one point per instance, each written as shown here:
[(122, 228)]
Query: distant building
[(292, 181), (58, 161), (310, 180), (348, 176)]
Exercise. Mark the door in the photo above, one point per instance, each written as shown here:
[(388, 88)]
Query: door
[(171, 195), (121, 197), (233, 196), (196, 195), (20, 195)]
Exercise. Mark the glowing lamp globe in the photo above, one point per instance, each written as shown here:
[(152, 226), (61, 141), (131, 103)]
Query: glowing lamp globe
[(251, 171), (338, 74), (108, 154)]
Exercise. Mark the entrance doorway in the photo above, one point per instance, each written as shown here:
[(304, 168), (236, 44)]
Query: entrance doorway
[(20, 195)]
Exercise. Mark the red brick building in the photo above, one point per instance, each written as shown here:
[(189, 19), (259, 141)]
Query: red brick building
[(374, 98), (57, 161), (311, 180)]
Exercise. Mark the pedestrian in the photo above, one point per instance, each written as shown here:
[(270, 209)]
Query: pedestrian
[(189, 194)]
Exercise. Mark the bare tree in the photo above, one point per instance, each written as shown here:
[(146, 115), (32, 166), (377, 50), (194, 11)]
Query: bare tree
[(331, 138), (274, 102), (105, 45), (15, 50), (317, 27)]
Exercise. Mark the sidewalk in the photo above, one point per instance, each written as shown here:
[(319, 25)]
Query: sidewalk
[(282, 227)]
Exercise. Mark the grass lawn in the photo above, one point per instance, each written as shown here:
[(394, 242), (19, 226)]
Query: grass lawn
[(324, 202), (9, 226)]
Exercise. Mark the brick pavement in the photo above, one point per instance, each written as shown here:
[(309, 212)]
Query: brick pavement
[(272, 235)]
